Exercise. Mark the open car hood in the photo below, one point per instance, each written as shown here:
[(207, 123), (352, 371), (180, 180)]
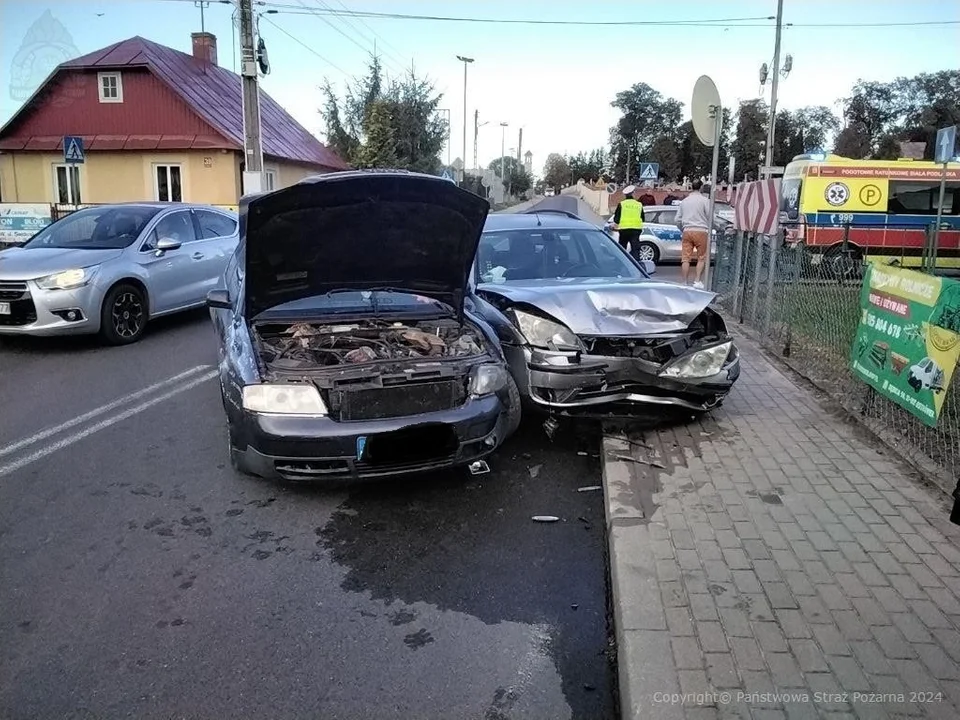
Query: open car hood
[(360, 230), (590, 306)]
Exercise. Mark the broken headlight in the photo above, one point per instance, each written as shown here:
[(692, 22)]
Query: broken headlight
[(487, 379), (544, 333), (283, 399), (701, 364)]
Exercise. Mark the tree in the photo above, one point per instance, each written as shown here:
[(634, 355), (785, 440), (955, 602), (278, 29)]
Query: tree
[(380, 148), (750, 137), (853, 142), (818, 125), (518, 182), (587, 167), (556, 171), (406, 116), (696, 159), (647, 116)]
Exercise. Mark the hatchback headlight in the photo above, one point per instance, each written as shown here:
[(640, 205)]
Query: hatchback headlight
[(284, 399), (701, 364), (68, 279), (487, 379), (544, 333)]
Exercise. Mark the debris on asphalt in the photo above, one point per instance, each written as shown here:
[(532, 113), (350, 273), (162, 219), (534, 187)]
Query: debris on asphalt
[(642, 461), (479, 467), (583, 520), (581, 453), (545, 518), (589, 687), (550, 426), (590, 488), (574, 606), (534, 470)]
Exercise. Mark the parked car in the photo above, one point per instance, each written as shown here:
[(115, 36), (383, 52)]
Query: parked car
[(585, 328), (660, 238), (109, 269), (345, 346)]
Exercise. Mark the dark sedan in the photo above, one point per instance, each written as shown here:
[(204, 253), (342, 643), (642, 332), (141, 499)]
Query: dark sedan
[(345, 348), (587, 331)]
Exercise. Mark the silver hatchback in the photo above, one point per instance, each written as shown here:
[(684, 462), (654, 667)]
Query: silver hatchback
[(108, 269)]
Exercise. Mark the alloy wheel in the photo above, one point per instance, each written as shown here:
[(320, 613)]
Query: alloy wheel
[(127, 313)]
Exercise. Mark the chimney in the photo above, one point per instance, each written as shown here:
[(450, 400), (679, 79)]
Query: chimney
[(205, 46)]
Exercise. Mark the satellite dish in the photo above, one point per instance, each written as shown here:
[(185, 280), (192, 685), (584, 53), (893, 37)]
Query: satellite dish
[(705, 110), (262, 60)]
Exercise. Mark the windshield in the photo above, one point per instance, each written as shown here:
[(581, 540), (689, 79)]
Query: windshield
[(540, 254), (97, 228)]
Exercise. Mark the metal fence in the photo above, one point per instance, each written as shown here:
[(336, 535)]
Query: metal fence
[(806, 307)]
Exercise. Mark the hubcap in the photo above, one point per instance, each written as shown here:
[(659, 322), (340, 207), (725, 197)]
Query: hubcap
[(127, 314), (645, 252)]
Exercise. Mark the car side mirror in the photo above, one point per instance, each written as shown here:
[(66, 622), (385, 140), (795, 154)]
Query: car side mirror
[(166, 244), (219, 299), (649, 267)]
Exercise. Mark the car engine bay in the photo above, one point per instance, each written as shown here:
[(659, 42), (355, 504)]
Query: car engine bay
[(305, 346)]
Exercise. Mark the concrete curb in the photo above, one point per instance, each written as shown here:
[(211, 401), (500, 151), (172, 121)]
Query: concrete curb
[(644, 654)]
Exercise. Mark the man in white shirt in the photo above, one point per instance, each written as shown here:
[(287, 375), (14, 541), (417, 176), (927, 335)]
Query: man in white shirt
[(693, 217)]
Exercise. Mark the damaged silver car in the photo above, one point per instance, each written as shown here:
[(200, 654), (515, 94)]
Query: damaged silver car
[(345, 348), (585, 329)]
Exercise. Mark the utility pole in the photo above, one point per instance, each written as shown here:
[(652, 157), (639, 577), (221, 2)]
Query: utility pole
[(466, 61), (772, 124), (503, 155), (476, 133), (519, 146), (252, 149)]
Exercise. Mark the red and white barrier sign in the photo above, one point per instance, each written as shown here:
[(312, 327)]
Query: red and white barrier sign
[(757, 206)]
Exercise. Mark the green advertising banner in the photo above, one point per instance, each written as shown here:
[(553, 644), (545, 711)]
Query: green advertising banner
[(908, 339)]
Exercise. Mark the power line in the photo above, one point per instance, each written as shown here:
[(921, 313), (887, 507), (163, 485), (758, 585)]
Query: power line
[(305, 46), (382, 39), (376, 46)]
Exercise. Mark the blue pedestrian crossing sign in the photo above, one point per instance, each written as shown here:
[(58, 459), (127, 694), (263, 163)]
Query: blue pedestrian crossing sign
[(649, 171), (73, 149), (446, 175)]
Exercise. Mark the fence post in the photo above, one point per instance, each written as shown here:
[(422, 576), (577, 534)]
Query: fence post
[(799, 260), (737, 267), (757, 264), (771, 278)]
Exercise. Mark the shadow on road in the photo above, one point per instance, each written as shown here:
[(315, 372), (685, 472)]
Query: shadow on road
[(468, 544)]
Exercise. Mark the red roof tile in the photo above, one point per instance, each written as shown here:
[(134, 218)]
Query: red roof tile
[(215, 94)]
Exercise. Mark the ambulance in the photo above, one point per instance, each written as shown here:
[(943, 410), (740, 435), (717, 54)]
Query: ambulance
[(884, 208)]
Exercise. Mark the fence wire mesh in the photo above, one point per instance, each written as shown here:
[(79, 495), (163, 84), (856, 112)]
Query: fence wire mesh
[(806, 307)]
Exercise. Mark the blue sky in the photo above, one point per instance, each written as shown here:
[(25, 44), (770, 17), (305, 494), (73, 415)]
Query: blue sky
[(554, 81)]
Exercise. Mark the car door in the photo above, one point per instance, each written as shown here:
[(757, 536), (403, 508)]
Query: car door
[(217, 242), (172, 275)]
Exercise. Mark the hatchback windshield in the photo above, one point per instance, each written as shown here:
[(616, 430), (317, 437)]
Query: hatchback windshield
[(539, 254), (98, 228)]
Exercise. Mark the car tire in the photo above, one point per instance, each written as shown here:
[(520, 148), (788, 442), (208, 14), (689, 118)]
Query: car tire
[(123, 315), (652, 251), (515, 413)]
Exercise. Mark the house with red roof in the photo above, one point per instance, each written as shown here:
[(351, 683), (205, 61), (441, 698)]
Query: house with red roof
[(156, 123)]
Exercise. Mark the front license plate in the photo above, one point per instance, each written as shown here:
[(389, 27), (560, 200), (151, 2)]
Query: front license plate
[(4, 308)]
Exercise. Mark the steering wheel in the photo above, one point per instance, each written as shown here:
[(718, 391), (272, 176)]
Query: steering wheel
[(579, 265)]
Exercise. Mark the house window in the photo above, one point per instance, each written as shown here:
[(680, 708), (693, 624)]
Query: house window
[(111, 88), (169, 188), (67, 184), (269, 180)]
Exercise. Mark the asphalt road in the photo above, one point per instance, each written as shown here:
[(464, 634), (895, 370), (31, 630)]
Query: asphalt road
[(139, 577)]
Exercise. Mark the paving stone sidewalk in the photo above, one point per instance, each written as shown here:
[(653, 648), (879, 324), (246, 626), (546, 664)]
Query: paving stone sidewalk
[(780, 564)]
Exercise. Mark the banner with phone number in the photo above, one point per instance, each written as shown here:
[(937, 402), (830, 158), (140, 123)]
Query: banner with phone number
[(908, 340)]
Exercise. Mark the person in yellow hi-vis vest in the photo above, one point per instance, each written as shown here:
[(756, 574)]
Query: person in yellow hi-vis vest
[(628, 221)]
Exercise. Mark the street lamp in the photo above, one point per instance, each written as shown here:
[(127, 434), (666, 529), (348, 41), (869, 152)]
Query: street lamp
[(466, 61), (503, 151)]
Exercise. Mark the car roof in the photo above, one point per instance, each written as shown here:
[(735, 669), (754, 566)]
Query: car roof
[(523, 221), (158, 205)]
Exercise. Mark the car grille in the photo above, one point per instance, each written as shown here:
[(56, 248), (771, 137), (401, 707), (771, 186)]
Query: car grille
[(13, 290), (398, 400), (22, 309)]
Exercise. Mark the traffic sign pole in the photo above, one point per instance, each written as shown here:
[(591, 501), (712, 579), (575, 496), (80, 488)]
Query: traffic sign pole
[(718, 130), (945, 144), (936, 231)]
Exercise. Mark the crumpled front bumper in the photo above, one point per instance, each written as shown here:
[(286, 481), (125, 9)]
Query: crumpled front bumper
[(576, 383)]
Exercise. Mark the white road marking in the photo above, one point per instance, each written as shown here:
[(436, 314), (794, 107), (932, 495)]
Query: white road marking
[(105, 423), (44, 434)]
